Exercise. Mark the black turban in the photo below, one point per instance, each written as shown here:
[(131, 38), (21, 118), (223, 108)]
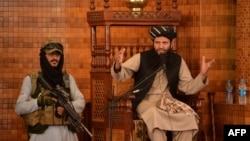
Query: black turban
[(164, 31)]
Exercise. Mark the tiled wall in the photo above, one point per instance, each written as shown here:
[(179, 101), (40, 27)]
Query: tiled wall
[(207, 28), (24, 26)]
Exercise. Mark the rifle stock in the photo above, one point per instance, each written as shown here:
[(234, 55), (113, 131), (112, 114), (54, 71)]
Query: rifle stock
[(62, 99)]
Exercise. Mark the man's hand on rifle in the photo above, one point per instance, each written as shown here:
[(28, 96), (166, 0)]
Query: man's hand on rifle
[(45, 100), (60, 110), (48, 100)]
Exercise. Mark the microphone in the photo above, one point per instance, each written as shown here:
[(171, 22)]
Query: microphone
[(163, 61)]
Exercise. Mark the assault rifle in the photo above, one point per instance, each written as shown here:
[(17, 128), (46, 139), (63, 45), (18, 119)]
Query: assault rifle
[(63, 100)]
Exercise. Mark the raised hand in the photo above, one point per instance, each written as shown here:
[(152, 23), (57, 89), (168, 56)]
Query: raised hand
[(119, 59), (205, 66)]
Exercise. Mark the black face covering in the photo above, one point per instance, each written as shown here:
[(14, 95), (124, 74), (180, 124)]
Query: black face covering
[(53, 75)]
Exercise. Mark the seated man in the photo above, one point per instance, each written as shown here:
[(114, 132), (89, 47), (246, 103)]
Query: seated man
[(158, 73)]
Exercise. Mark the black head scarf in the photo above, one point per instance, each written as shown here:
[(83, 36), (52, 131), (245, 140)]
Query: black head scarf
[(53, 75)]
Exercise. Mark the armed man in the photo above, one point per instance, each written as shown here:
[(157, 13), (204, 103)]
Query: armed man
[(44, 116)]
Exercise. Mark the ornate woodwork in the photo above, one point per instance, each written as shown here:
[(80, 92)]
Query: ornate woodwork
[(102, 53), (86, 120)]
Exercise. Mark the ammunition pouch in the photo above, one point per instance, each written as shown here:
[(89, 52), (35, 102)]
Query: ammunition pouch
[(38, 121), (32, 119), (33, 124), (48, 117)]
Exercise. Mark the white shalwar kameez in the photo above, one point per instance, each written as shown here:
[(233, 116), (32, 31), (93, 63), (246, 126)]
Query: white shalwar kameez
[(25, 104), (159, 110)]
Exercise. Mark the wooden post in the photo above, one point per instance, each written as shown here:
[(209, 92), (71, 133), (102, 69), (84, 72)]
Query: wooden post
[(211, 101)]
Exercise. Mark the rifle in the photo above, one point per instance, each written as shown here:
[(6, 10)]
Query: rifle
[(63, 100)]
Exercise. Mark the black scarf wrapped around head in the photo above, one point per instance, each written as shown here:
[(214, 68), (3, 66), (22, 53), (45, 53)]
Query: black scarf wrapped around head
[(53, 75)]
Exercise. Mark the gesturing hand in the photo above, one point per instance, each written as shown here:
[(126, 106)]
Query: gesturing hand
[(119, 59), (205, 66)]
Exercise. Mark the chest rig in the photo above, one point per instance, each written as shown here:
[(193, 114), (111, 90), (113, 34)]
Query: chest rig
[(38, 121)]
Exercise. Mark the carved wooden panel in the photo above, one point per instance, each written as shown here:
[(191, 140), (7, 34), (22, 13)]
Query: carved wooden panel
[(98, 99), (102, 86)]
